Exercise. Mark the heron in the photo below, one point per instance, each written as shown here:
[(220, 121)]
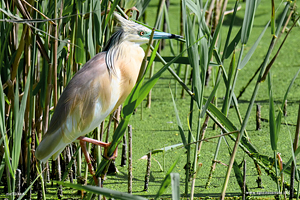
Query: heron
[(96, 90)]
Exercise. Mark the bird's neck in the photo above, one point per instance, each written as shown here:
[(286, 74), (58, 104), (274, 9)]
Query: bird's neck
[(127, 67), (122, 49)]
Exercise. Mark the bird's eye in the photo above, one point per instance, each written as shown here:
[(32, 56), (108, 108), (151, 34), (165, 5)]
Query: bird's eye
[(141, 33)]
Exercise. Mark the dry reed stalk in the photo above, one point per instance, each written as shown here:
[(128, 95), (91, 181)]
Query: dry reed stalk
[(147, 176)]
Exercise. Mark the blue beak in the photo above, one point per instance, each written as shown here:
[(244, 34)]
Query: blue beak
[(163, 35)]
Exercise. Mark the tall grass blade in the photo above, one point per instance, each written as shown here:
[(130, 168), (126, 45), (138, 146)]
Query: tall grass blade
[(281, 20), (194, 58), (204, 65), (167, 181), (272, 120), (19, 124), (164, 149), (248, 20), (273, 17), (215, 37), (2, 165), (142, 5), (278, 121), (112, 9), (232, 69), (180, 128), (97, 22), (79, 48), (169, 29), (209, 100), (253, 48), (287, 166), (227, 124), (3, 131), (239, 176), (191, 5), (159, 15), (2, 112), (225, 54), (90, 32), (232, 44), (184, 60), (103, 191)]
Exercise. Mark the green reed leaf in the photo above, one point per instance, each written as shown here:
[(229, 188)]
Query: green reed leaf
[(104, 191), (248, 20), (272, 121), (253, 48), (180, 128), (166, 182)]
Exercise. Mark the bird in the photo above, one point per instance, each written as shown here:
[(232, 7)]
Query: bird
[(96, 90)]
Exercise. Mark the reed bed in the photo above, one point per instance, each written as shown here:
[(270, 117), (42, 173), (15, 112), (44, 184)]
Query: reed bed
[(44, 43)]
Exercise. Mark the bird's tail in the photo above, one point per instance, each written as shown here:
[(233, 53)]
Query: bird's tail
[(51, 145)]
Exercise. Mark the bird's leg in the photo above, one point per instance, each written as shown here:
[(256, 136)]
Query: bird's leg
[(88, 160), (102, 144), (83, 141)]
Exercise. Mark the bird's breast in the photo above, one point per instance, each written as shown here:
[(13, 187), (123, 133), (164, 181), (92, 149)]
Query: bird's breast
[(128, 65)]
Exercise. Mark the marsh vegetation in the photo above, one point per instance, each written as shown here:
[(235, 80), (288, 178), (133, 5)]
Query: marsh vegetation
[(200, 122)]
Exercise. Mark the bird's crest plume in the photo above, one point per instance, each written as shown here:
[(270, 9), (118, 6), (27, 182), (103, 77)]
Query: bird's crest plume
[(127, 31)]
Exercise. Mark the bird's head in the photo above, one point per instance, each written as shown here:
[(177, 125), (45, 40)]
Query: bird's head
[(132, 32), (140, 34)]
